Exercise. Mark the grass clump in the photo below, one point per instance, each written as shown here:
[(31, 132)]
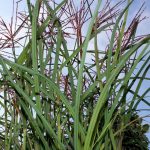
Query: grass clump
[(60, 91)]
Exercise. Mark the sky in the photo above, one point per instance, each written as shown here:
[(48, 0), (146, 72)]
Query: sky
[(6, 11), (144, 27)]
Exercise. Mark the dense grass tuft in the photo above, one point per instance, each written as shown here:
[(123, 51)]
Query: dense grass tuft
[(62, 88)]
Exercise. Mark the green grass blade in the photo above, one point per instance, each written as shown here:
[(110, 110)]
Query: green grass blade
[(80, 78)]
